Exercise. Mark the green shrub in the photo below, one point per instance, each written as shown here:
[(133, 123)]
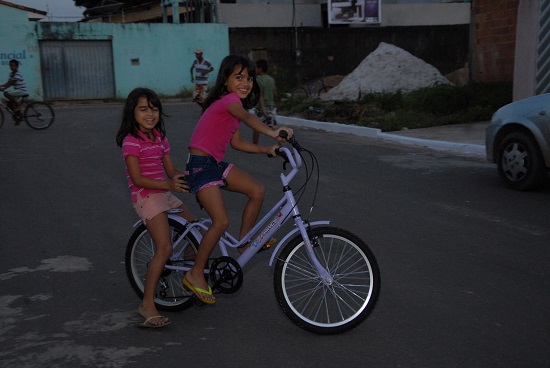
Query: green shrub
[(431, 106)]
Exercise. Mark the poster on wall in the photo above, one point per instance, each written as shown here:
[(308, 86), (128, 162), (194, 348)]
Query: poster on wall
[(354, 11)]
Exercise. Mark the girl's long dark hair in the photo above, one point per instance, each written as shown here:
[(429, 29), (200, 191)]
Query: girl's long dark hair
[(229, 63), (129, 124)]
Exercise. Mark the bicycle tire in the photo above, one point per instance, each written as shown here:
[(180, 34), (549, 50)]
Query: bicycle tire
[(170, 294), (1, 118), (315, 306), (39, 115)]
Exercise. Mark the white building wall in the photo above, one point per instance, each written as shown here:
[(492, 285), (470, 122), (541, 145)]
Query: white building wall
[(247, 15), (526, 49), (269, 15)]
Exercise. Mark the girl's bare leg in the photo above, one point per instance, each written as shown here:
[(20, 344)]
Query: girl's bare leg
[(212, 200), (240, 182), (159, 230), (186, 214)]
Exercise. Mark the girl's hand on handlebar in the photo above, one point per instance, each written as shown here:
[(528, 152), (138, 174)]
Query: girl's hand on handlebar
[(289, 132), (272, 150)]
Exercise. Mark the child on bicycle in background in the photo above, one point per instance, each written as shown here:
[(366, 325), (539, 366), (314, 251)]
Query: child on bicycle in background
[(16, 81), (266, 109), (235, 91), (151, 178)]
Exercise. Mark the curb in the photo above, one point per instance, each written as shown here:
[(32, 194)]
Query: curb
[(477, 150)]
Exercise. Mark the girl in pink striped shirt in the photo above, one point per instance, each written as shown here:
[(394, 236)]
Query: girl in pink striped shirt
[(151, 177)]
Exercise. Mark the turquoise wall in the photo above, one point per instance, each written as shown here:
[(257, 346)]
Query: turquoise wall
[(18, 41), (154, 55), (158, 56)]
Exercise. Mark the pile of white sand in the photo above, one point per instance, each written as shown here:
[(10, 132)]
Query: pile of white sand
[(386, 69)]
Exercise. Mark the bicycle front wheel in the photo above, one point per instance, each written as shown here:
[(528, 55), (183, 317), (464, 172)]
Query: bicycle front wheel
[(39, 115), (316, 305), (169, 294)]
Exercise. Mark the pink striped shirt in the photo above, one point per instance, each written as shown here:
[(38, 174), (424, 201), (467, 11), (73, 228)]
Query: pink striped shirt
[(149, 156)]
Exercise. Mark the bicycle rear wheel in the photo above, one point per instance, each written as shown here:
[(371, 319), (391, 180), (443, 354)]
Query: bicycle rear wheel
[(170, 294), (327, 308), (39, 115)]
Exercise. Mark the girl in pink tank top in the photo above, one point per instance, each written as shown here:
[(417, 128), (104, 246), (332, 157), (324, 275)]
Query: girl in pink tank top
[(226, 106)]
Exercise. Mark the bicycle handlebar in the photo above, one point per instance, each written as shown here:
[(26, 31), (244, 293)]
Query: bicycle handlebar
[(290, 156), (293, 142), (283, 134)]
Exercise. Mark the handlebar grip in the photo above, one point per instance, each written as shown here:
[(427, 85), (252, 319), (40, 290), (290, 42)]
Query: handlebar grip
[(283, 134), (277, 153)]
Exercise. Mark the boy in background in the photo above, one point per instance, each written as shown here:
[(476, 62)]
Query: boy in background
[(14, 96), (266, 109)]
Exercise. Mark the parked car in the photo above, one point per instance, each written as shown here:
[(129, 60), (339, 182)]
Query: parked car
[(518, 141)]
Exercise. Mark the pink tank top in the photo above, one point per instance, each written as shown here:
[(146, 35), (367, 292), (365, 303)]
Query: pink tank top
[(216, 128)]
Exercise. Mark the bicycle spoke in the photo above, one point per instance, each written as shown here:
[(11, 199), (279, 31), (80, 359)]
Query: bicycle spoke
[(169, 292), (39, 115)]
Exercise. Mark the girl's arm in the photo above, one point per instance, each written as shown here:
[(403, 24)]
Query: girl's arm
[(141, 181), (174, 173), (7, 85), (169, 167), (241, 144), (255, 123)]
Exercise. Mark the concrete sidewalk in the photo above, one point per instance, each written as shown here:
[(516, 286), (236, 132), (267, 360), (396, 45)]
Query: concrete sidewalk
[(468, 139)]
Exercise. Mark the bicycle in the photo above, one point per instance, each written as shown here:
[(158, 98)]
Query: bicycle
[(310, 89), (327, 280), (270, 119), (37, 114), (314, 88)]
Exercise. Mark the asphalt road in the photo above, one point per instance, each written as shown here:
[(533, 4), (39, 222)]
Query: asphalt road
[(464, 261)]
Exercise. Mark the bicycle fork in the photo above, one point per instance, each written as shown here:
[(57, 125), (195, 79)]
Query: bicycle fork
[(307, 236), (305, 231)]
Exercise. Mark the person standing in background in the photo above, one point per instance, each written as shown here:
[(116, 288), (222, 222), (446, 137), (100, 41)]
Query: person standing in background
[(200, 69), (266, 109)]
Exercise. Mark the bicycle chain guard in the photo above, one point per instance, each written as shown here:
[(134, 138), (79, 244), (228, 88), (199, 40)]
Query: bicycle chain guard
[(226, 275)]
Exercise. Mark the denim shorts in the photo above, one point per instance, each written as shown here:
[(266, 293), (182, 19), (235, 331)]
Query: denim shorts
[(205, 171)]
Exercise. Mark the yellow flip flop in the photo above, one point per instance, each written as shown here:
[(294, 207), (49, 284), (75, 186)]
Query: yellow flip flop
[(198, 291), (268, 245)]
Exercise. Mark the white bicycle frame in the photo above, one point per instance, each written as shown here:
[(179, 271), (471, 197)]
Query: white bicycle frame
[(279, 215)]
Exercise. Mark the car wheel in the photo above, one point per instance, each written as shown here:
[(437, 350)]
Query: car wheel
[(520, 163)]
